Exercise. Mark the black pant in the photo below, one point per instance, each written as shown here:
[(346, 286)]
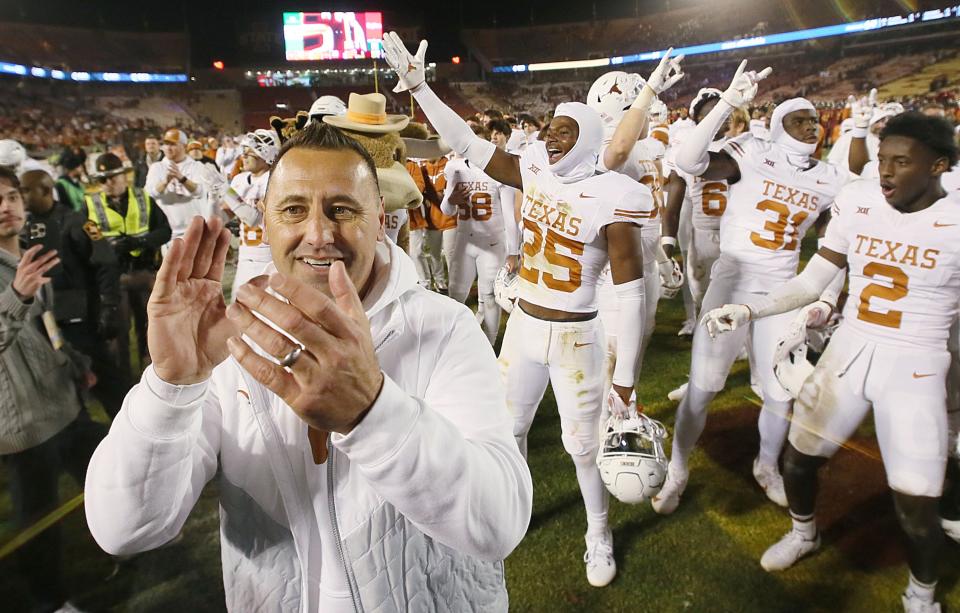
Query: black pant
[(34, 474), (113, 381), (135, 289)]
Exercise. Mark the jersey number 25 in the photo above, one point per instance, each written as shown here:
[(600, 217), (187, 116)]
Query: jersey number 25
[(532, 251)]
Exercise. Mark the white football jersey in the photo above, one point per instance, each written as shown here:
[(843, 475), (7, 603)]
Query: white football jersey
[(770, 209), (642, 166), (393, 221), (252, 189), (707, 199), (564, 247), (904, 268), (474, 198)]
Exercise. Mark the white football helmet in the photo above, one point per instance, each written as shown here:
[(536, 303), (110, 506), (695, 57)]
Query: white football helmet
[(793, 370), (632, 462), (659, 113), (12, 153), (706, 92), (326, 105), (265, 144), (506, 288), (613, 93)]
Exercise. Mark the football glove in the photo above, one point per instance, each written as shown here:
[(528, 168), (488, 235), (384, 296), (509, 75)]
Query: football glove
[(671, 278), (666, 74), (409, 68), (618, 408), (817, 315), (743, 88), (727, 318), (862, 109)]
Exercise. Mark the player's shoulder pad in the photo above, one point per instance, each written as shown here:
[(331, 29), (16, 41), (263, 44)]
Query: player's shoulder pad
[(625, 199), (857, 196), (744, 145)]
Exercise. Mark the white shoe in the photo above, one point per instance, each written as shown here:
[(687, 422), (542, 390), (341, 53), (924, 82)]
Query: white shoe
[(914, 604), (687, 328), (678, 394), (788, 550), (951, 527), (69, 607), (601, 567), (768, 477), (668, 498)]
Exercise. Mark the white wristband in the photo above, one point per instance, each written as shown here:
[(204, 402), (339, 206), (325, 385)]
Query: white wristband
[(858, 132), (668, 240)]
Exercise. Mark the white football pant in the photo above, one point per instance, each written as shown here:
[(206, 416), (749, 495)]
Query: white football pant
[(906, 389), (477, 257), (569, 356), (703, 252)]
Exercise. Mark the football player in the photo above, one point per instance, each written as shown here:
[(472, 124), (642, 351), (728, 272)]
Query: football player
[(777, 190), (574, 222), (482, 207), (247, 190), (900, 239), (707, 202)]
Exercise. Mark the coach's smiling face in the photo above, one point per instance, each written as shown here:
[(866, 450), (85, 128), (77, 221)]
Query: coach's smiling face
[(323, 206)]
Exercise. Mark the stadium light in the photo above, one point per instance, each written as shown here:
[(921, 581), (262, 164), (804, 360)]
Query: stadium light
[(455, 59), (218, 64)]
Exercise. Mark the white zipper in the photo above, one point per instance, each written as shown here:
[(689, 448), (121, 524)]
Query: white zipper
[(332, 504)]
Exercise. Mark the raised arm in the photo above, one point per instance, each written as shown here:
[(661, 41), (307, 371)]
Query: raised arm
[(634, 121), (862, 112), (693, 156), (498, 164), (676, 189)]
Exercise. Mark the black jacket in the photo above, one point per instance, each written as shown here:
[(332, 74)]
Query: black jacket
[(87, 279)]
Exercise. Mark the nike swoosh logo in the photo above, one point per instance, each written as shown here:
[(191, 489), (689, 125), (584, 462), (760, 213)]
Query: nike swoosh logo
[(937, 224), (917, 375), (582, 195), (579, 345)]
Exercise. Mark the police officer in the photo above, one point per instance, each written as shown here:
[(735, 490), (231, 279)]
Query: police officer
[(136, 228), (86, 283)]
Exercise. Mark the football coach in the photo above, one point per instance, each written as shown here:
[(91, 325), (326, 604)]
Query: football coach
[(366, 456)]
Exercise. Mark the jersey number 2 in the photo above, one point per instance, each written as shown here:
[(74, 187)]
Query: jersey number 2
[(531, 250), (890, 319), (786, 230)]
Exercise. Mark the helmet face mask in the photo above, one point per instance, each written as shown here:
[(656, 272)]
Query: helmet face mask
[(264, 144), (632, 460)]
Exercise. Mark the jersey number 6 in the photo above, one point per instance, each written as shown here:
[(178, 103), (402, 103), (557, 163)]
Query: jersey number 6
[(714, 198), (531, 253)]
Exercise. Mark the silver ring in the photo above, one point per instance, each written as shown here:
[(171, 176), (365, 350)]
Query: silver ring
[(291, 358)]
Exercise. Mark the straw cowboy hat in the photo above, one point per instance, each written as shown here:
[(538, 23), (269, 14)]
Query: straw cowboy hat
[(367, 113)]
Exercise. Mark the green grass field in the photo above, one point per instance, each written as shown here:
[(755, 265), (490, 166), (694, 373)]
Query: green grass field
[(704, 558)]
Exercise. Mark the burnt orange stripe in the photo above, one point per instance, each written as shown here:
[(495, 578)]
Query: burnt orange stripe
[(367, 118), (737, 147)]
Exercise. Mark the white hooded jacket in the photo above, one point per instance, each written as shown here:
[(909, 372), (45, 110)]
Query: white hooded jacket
[(417, 506)]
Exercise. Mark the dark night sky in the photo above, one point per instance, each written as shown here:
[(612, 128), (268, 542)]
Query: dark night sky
[(212, 23)]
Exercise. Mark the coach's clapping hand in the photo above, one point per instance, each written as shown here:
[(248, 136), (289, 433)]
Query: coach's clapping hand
[(336, 377), (188, 328)]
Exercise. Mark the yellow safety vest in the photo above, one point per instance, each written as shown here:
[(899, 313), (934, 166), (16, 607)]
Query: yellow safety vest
[(111, 223)]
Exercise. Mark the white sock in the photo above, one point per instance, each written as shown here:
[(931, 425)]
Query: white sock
[(773, 425), (691, 419), (596, 500), (923, 591), (806, 525)]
